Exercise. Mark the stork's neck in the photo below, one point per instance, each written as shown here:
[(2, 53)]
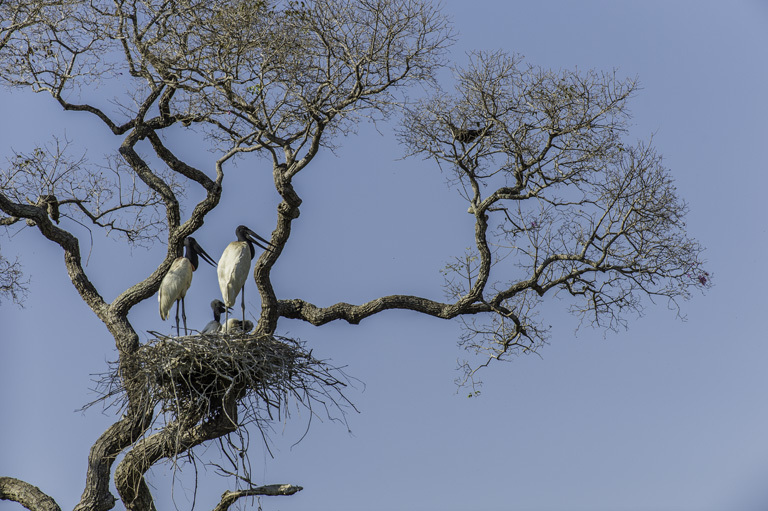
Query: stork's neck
[(242, 236), (192, 256)]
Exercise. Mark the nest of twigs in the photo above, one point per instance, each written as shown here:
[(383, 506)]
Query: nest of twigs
[(191, 378)]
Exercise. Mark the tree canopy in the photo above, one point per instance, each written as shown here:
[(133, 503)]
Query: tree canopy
[(561, 202)]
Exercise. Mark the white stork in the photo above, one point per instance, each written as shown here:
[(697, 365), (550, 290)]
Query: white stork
[(176, 282), (235, 264)]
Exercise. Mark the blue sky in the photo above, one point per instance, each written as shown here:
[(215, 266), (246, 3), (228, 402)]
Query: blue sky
[(666, 415)]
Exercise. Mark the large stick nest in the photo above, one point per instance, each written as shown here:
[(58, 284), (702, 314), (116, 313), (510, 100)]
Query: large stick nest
[(190, 377)]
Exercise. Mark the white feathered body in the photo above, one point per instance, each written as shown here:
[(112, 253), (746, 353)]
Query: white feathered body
[(174, 285), (233, 269)]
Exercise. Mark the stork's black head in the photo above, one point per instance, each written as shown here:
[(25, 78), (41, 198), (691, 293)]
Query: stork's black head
[(193, 249), (218, 307), (243, 233)]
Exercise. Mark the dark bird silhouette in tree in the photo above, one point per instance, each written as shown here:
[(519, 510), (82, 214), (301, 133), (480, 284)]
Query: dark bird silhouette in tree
[(467, 135)]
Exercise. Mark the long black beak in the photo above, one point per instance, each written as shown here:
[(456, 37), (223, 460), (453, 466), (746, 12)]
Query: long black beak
[(202, 253), (255, 238)]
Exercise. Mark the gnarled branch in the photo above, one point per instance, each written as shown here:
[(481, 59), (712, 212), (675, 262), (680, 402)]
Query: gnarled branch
[(353, 314), (230, 497), (29, 496)]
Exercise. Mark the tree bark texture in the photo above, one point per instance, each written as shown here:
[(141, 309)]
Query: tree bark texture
[(29, 496)]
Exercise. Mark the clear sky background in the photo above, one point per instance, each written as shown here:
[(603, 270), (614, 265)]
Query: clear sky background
[(669, 414)]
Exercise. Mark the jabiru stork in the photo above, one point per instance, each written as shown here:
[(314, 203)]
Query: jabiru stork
[(176, 282), (214, 325), (235, 326), (235, 264)]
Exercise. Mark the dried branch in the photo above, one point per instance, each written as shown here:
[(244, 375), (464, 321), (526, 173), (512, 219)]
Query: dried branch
[(188, 377), (31, 497), (206, 387), (123, 433), (566, 205), (353, 314), (230, 497), (109, 198), (66, 241), (561, 204), (13, 285)]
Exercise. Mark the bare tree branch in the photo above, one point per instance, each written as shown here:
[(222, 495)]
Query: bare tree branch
[(68, 243), (175, 438), (31, 497), (230, 497), (119, 436), (353, 314), (566, 205), (561, 204), (12, 282), (108, 198)]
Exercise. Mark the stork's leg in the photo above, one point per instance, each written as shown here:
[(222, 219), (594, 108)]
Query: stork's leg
[(184, 315), (177, 318), (242, 303)]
